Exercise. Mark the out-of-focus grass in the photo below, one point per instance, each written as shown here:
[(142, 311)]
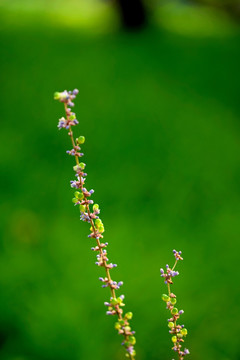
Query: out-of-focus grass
[(160, 113)]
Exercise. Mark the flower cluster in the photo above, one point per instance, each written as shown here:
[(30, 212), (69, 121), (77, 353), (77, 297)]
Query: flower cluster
[(89, 212), (177, 331)]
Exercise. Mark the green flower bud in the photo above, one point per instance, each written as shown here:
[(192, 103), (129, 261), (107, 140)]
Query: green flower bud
[(74, 200), (98, 222), (184, 332), (82, 208), (127, 344), (114, 301), (173, 301), (101, 229), (121, 322), (78, 195), (128, 315), (174, 311), (132, 340), (170, 324), (120, 301), (174, 339), (117, 326), (95, 207), (179, 335), (165, 297), (56, 96), (81, 140), (127, 328), (82, 165)]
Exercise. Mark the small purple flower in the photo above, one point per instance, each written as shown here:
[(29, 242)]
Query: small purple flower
[(75, 184), (109, 313), (62, 123), (177, 255)]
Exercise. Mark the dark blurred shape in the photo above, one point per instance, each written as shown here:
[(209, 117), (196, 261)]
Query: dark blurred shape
[(133, 13)]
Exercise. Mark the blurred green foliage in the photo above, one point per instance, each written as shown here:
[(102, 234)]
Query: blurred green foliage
[(160, 113)]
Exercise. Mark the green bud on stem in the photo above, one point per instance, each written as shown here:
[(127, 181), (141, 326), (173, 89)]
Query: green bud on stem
[(81, 140), (174, 311), (165, 297), (128, 315), (174, 339)]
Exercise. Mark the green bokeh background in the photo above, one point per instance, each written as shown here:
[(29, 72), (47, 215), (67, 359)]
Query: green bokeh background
[(160, 112)]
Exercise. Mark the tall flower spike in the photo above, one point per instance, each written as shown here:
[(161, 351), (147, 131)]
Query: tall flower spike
[(89, 213), (178, 332)]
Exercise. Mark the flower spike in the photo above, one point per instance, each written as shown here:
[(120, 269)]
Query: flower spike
[(178, 332), (89, 212)]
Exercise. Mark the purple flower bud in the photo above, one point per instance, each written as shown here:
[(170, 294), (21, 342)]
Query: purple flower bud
[(75, 91), (186, 352), (181, 312)]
